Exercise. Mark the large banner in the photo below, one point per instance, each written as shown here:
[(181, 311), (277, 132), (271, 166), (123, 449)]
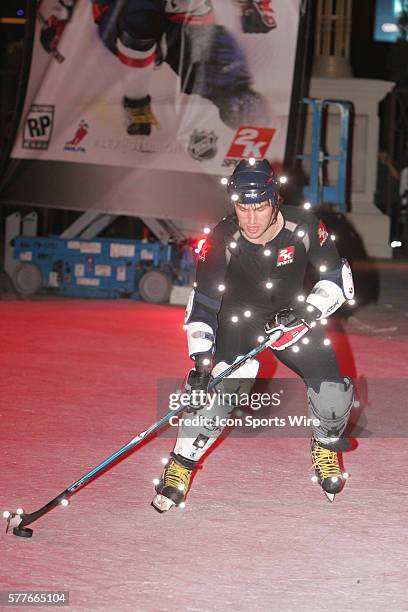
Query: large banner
[(179, 86)]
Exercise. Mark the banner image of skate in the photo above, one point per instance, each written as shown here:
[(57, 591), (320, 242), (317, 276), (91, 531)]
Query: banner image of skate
[(183, 85)]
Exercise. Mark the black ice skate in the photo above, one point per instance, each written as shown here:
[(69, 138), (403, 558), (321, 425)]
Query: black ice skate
[(327, 469), (139, 116), (174, 483)]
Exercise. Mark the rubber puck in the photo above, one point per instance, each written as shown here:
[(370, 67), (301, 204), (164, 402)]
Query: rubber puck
[(23, 532)]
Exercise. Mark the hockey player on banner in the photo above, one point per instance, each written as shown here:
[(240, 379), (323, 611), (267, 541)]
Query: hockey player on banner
[(249, 283), (183, 33)]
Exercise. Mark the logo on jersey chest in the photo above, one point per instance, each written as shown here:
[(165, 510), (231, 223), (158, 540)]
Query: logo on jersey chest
[(286, 256), (322, 233)]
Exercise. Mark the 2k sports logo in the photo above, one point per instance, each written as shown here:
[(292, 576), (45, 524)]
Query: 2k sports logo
[(249, 142)]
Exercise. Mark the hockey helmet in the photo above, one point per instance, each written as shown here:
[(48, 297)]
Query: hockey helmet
[(253, 182)]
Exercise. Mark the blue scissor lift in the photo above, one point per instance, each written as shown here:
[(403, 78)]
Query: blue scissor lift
[(316, 191)]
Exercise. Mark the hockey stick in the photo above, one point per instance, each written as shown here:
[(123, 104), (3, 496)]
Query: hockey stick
[(18, 521)]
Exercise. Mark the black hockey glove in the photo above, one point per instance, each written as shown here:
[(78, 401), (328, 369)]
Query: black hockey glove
[(197, 383), (257, 16), (294, 323)]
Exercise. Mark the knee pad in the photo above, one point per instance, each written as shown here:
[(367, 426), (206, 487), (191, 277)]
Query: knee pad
[(331, 406), (194, 440)]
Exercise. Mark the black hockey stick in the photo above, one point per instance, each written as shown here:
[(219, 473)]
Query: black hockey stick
[(18, 521)]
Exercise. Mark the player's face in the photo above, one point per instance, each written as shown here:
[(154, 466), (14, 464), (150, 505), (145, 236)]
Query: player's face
[(254, 219)]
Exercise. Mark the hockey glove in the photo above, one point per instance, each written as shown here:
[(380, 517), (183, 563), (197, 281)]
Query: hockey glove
[(257, 16), (294, 323), (197, 383), (54, 26)]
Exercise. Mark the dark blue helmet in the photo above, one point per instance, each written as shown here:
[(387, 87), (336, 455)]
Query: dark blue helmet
[(253, 183)]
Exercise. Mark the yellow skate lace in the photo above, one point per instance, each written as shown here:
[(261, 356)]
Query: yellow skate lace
[(142, 115), (325, 461), (176, 475)]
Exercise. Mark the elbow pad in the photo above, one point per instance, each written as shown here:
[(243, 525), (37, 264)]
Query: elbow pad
[(201, 323), (332, 290)]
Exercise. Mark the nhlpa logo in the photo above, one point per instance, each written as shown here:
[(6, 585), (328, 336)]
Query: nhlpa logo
[(81, 132), (203, 145), (286, 256), (249, 142), (322, 233)]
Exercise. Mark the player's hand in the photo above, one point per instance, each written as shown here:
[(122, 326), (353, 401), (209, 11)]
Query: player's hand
[(197, 384), (291, 324), (257, 16)]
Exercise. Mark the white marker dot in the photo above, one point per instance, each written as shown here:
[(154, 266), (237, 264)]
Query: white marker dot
[(267, 252), (233, 245), (261, 339), (323, 268), (224, 180), (326, 342), (234, 319), (295, 349), (323, 321), (247, 313), (307, 205), (221, 287), (301, 298), (207, 230), (301, 233), (269, 285)]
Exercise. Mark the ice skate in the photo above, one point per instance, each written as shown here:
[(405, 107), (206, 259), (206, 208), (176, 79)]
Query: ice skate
[(327, 469), (173, 485), (139, 116)]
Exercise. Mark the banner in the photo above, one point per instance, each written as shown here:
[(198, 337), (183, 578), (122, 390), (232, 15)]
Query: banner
[(179, 86)]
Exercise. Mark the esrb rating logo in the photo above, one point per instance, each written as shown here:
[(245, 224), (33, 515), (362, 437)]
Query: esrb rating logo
[(249, 142), (38, 126)]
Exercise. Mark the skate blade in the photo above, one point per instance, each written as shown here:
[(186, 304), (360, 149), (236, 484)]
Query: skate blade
[(162, 503), (330, 496)]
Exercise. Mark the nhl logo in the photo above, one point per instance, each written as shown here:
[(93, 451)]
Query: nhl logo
[(203, 145)]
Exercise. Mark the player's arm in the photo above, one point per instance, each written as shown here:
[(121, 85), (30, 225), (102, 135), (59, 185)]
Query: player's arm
[(257, 16), (54, 25), (328, 294), (202, 309), (336, 280)]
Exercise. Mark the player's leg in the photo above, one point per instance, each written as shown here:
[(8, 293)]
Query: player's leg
[(133, 34), (330, 399)]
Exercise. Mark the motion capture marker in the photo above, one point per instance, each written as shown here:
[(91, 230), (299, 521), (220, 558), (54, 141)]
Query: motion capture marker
[(326, 342), (182, 505), (305, 340), (19, 511), (352, 302), (313, 324), (224, 180), (64, 502), (206, 361), (181, 487), (283, 179), (301, 298), (165, 460), (235, 197), (315, 478), (345, 475), (332, 237), (6, 514), (221, 287), (396, 244), (301, 233), (247, 314), (194, 284), (234, 319), (323, 268), (295, 349), (307, 206), (309, 308), (261, 339), (233, 245), (267, 252), (334, 478), (252, 161), (207, 230), (269, 285), (323, 321), (156, 481)]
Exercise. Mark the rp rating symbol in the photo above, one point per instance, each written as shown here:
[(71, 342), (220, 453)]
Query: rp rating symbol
[(38, 126)]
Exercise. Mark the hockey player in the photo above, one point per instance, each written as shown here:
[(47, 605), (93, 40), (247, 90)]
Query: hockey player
[(249, 282), (203, 54)]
